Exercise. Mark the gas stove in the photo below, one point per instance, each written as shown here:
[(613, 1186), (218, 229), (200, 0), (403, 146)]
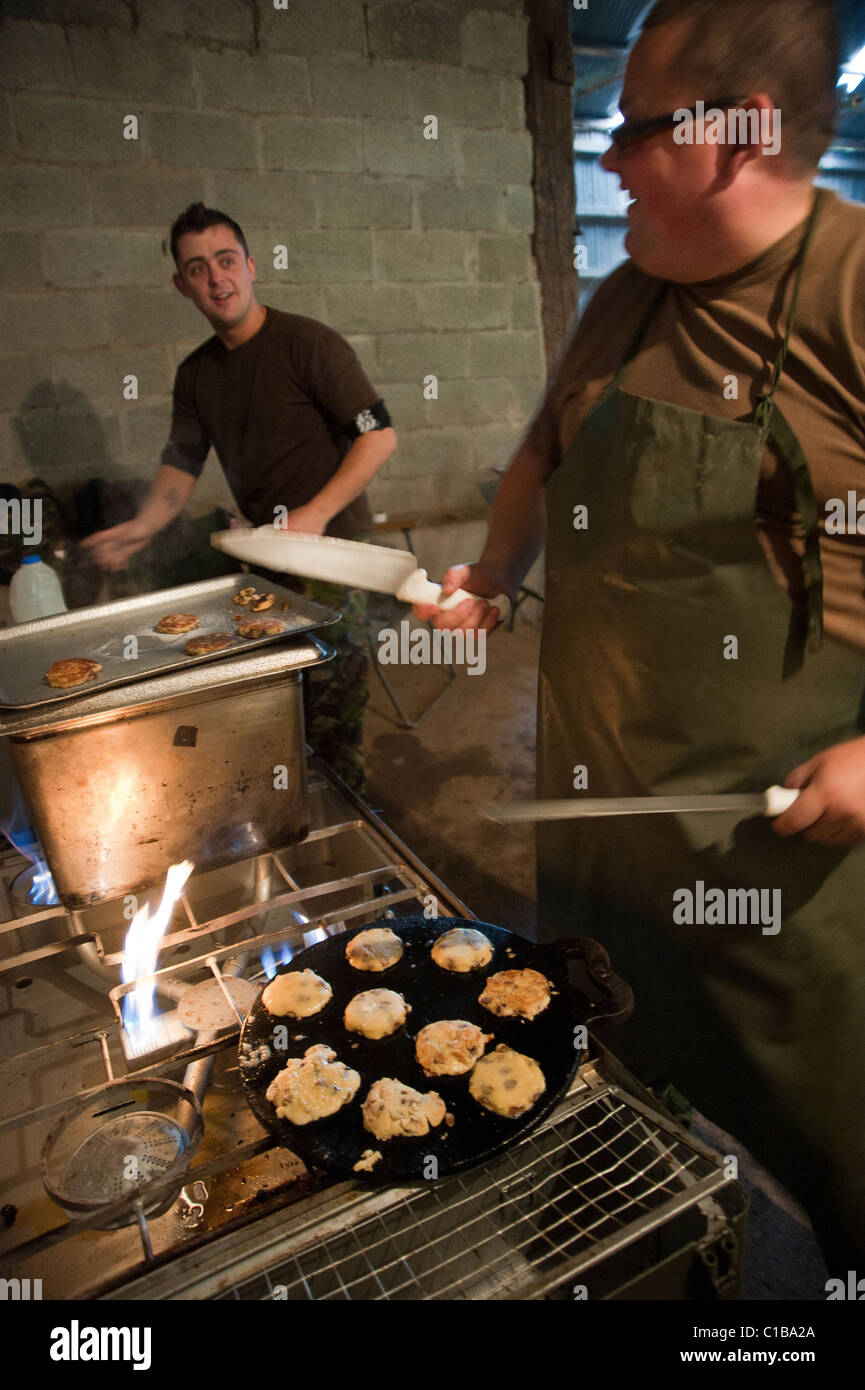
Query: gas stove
[(220, 1210)]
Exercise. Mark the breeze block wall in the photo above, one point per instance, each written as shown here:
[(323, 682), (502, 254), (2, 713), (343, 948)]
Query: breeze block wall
[(311, 123)]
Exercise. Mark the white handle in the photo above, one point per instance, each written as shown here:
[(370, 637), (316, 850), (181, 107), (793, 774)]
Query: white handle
[(779, 800), (417, 588)]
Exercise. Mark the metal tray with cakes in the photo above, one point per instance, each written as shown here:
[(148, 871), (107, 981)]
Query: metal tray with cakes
[(123, 639), (339, 1141)]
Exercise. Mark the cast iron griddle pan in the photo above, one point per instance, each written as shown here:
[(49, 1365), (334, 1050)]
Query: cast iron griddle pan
[(338, 1141)]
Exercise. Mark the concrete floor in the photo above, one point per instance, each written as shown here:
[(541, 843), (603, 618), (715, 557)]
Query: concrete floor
[(476, 745)]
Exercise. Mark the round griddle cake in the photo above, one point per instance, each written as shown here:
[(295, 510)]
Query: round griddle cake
[(336, 1143)]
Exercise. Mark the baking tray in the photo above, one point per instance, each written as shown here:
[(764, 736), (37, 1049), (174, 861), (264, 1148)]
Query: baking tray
[(99, 633), (338, 1141)]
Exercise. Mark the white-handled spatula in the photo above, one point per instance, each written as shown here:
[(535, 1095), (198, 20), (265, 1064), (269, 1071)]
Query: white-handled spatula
[(772, 802), (336, 561)]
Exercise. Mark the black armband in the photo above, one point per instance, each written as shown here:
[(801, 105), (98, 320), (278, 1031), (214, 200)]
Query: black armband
[(375, 417)]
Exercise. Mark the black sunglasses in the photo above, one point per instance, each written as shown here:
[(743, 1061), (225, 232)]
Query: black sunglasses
[(631, 133)]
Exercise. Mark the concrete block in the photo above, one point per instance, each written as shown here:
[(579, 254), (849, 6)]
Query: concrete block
[(98, 14), (407, 407), (49, 320), (76, 132), (140, 199), (77, 259), (39, 197), (493, 445), (464, 306), (526, 305), (502, 156), (145, 429), (99, 375), (360, 88), (446, 204), (372, 309), (200, 141), (306, 300), (416, 355), (364, 202), (48, 439), (435, 451), (138, 68), (424, 496), (366, 348), (24, 381), (519, 207), (153, 316), (426, 33), (312, 144), (474, 402), (20, 260), (312, 26), (276, 199), (504, 258), (420, 255), (506, 354), (456, 97), (329, 257), (235, 81), (494, 42), (402, 149), (208, 21), (7, 135), (35, 56), (513, 103)]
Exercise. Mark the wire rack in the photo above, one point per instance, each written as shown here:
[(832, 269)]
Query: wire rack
[(603, 1172)]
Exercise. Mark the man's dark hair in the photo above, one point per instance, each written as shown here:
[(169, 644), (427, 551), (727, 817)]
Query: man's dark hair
[(197, 218), (787, 48)]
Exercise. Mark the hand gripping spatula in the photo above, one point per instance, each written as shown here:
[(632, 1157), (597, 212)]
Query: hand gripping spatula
[(772, 802), (336, 561)]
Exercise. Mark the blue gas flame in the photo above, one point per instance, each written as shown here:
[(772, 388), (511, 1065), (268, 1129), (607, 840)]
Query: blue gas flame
[(42, 890)]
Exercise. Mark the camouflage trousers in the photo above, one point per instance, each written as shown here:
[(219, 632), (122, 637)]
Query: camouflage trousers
[(335, 694)]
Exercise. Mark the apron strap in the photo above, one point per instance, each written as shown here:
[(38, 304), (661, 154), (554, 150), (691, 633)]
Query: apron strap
[(636, 343), (769, 417)]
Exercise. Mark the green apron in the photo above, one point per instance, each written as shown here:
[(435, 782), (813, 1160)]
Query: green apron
[(764, 1032)]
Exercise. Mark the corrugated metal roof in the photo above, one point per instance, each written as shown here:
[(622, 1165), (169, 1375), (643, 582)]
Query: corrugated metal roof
[(607, 21)]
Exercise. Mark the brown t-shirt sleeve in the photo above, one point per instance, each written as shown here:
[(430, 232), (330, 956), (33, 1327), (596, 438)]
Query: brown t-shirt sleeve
[(188, 444), (335, 380)]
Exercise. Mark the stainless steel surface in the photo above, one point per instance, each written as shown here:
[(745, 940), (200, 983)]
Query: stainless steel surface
[(122, 784), (61, 1034), (121, 637), (506, 811), (579, 1193), (602, 1172)]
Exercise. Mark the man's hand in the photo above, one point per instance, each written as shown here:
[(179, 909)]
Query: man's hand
[(474, 614), (112, 549), (309, 519), (831, 806)]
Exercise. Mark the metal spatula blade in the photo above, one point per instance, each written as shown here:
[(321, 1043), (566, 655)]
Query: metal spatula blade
[(337, 561), (772, 802)]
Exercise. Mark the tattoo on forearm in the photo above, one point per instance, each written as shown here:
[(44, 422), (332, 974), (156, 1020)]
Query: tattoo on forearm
[(171, 497)]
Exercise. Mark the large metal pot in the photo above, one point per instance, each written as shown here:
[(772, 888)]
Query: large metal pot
[(205, 764)]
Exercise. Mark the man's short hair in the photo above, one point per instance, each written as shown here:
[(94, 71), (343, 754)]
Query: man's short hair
[(789, 49), (197, 218)]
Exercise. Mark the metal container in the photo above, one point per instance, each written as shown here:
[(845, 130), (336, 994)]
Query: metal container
[(206, 764)]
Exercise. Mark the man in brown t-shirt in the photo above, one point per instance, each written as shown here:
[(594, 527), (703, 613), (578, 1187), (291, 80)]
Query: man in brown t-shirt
[(297, 426)]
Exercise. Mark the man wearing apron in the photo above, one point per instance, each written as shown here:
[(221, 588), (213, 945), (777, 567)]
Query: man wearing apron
[(684, 647)]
